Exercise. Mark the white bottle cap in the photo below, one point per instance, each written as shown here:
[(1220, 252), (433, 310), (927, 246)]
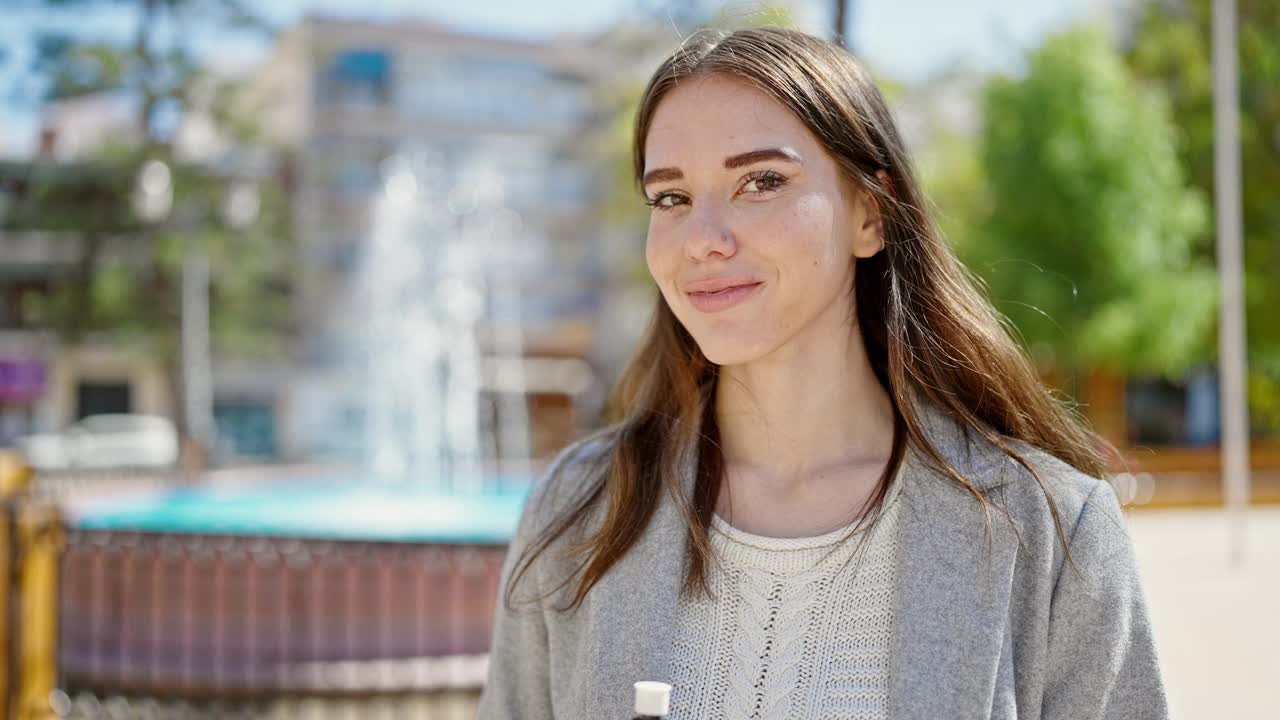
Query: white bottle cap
[(653, 698)]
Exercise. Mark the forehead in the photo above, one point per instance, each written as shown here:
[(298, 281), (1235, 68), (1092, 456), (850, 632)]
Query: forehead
[(714, 116)]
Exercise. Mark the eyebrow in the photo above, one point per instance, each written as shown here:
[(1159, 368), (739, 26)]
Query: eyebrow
[(730, 163)]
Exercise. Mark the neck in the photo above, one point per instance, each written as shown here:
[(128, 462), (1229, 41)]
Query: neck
[(802, 410)]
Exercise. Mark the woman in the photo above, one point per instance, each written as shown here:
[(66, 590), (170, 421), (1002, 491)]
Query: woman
[(837, 488)]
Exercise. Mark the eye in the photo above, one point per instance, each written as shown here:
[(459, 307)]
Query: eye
[(766, 181), (665, 201)]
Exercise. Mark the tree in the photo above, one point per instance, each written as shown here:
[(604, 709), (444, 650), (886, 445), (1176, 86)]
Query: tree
[(134, 296), (1169, 47), (1086, 240)]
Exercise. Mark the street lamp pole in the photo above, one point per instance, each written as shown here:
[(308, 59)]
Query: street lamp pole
[(197, 370), (843, 9), (153, 203), (1231, 335)]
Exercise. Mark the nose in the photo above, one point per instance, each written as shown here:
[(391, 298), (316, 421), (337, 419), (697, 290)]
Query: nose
[(708, 233)]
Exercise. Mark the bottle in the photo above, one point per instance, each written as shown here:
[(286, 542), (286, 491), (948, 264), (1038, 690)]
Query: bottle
[(653, 699)]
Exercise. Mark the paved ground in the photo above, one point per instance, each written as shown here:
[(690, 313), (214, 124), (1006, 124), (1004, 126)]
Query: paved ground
[(1217, 627)]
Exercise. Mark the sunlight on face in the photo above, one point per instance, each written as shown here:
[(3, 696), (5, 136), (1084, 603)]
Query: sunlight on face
[(744, 196)]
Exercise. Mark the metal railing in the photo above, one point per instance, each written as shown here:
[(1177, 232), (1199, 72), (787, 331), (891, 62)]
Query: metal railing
[(30, 545)]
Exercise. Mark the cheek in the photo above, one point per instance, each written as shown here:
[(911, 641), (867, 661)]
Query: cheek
[(665, 243), (654, 256), (803, 235), (662, 256)]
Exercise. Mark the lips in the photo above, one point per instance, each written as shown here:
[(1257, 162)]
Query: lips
[(716, 284), (725, 295)]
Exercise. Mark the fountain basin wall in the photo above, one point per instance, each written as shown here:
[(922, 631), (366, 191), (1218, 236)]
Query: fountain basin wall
[(348, 588)]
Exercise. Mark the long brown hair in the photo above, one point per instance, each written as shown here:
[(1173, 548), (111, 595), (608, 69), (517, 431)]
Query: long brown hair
[(927, 326)]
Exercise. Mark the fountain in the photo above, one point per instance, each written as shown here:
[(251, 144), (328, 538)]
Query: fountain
[(440, 265), (392, 562)]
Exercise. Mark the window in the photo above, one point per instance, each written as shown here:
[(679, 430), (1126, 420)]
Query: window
[(356, 77), (1182, 412), (247, 428), (102, 398), (515, 92)]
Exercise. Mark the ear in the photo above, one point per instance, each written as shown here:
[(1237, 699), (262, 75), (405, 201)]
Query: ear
[(869, 237)]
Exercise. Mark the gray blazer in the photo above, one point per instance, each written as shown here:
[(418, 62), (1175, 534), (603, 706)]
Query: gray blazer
[(1015, 634)]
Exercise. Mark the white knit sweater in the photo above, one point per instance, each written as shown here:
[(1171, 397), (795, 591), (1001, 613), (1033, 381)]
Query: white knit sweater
[(797, 628)]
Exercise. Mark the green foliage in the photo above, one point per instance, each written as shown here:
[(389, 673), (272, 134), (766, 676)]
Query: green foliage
[(1264, 399), (129, 283), (1087, 241), (1171, 49), (82, 69), (956, 184)]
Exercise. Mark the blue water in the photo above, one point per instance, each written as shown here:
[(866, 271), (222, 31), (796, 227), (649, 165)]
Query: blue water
[(371, 511)]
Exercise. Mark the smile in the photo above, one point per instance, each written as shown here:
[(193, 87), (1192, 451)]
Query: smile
[(712, 302)]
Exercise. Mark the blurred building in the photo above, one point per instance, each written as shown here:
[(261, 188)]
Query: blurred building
[(41, 386), (351, 96), (342, 97), (45, 384)]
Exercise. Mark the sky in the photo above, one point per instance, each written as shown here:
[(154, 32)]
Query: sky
[(889, 34)]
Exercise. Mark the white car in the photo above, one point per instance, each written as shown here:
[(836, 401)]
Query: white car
[(105, 441)]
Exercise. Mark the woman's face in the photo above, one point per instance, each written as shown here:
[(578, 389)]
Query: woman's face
[(753, 228)]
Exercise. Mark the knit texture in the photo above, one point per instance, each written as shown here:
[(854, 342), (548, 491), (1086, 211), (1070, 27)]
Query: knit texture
[(796, 627)]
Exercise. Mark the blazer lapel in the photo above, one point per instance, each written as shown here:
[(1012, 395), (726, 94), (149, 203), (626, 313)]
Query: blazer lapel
[(952, 595), (631, 612)]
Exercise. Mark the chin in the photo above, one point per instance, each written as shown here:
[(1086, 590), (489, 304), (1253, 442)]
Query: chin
[(727, 350)]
